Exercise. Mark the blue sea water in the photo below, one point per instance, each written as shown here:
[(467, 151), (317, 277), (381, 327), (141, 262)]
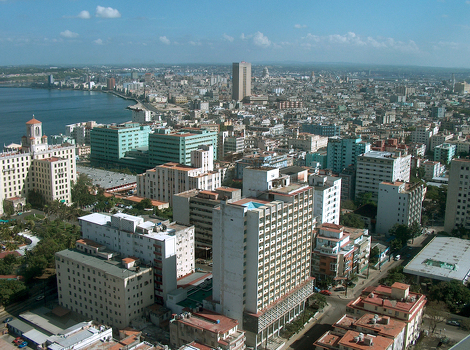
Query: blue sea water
[(55, 109)]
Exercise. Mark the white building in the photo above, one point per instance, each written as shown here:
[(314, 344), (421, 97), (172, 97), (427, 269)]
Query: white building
[(102, 288), (433, 169), (49, 170), (375, 167), (257, 180), (458, 195), (163, 181), (439, 139), (327, 198), (169, 248), (261, 256), (308, 142), (399, 203), (423, 134)]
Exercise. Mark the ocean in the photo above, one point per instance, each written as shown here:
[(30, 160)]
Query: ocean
[(55, 109)]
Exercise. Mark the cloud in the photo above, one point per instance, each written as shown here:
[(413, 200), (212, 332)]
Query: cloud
[(98, 42), (194, 43), (84, 15), (467, 2), (299, 26), (259, 39), (228, 37), (107, 12), (68, 34), (165, 40)]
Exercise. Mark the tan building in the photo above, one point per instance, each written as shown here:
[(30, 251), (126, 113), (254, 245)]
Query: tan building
[(208, 328), (241, 75), (35, 165), (308, 142), (93, 282), (397, 302)]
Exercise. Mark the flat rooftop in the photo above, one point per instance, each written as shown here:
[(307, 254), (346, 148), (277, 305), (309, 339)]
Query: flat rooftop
[(444, 258)]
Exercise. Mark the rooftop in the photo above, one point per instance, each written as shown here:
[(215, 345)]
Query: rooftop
[(210, 321), (444, 258)]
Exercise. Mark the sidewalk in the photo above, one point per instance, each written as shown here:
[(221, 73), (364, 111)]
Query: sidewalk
[(306, 327)]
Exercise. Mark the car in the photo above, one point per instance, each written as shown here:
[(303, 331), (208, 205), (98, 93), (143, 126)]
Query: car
[(8, 319), (18, 341), (325, 292), (23, 344), (340, 289), (397, 257), (453, 323), (351, 284), (40, 297), (316, 289)]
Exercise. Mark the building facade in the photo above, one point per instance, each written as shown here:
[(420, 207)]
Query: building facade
[(343, 152), (36, 166), (96, 285), (322, 129), (399, 203), (375, 167), (261, 255), (458, 192), (241, 79), (327, 206), (444, 153)]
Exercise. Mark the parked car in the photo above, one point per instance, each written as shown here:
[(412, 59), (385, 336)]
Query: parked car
[(453, 323), (18, 341), (397, 257), (40, 297), (8, 319), (23, 344), (325, 292), (316, 289), (340, 289)]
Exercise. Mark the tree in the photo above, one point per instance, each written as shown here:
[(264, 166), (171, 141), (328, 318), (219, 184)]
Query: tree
[(364, 198), (317, 301), (352, 220), (374, 255), (453, 293), (436, 312), (144, 204)]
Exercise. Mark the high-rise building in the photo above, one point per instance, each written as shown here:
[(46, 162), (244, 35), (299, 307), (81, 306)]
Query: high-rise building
[(110, 145), (102, 286), (110, 83), (261, 256), (166, 146), (375, 167), (49, 170), (241, 79), (322, 129), (399, 203), (458, 195), (343, 152), (50, 80), (444, 153), (327, 197)]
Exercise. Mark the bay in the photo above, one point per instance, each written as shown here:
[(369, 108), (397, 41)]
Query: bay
[(55, 109)]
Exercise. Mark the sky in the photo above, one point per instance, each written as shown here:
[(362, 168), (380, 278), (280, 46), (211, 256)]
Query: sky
[(131, 32)]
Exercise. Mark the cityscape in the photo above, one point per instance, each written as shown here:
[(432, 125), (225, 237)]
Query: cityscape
[(293, 179)]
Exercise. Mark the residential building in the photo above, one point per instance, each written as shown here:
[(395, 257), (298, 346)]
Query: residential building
[(263, 159), (317, 159), (322, 129), (241, 79), (399, 203), (308, 142), (233, 144), (444, 153), (348, 183), (396, 302), (439, 139), (458, 195), (375, 167), (423, 134), (327, 205), (166, 146), (261, 256), (36, 166), (211, 329), (432, 170), (343, 152), (110, 145), (166, 180), (195, 208), (110, 83), (169, 248), (97, 284), (80, 132), (332, 253), (369, 333), (257, 180), (362, 241)]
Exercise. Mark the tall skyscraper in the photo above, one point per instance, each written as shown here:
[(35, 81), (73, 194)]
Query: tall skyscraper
[(457, 192), (241, 73)]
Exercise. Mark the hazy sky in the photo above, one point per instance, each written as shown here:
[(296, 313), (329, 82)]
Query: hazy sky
[(412, 32)]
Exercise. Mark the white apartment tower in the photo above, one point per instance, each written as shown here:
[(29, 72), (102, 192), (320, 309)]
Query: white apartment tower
[(241, 79), (375, 167), (261, 256), (458, 195), (169, 248), (97, 284), (49, 170), (327, 198), (399, 203)]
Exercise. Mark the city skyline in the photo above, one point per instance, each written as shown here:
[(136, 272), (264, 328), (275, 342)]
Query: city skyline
[(422, 33)]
